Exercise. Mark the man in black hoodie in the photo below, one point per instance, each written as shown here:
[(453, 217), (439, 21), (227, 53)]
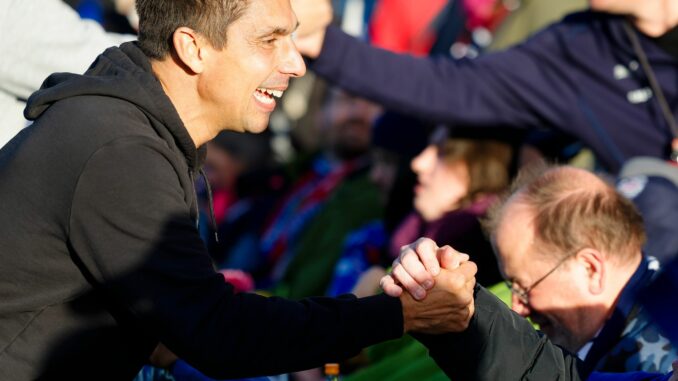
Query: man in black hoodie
[(101, 256)]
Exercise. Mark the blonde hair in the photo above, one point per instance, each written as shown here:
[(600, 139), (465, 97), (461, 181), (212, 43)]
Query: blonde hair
[(487, 162)]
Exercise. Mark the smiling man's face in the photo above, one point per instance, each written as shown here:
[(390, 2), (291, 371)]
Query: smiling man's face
[(241, 83)]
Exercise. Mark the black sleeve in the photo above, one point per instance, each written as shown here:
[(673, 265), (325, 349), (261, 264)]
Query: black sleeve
[(132, 232), (500, 345)]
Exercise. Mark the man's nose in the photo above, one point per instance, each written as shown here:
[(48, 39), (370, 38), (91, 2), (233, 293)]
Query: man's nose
[(519, 307), (292, 63)]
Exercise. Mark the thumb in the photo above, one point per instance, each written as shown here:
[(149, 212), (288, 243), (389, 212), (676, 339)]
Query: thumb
[(450, 258)]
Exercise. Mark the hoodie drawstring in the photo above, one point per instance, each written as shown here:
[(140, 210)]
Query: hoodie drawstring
[(211, 204)]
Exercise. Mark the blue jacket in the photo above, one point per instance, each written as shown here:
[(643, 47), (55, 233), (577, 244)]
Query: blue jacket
[(580, 76), (633, 376)]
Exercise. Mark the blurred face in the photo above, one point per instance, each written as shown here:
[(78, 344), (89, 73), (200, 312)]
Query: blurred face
[(384, 170), (440, 184), (242, 81), (559, 303), (349, 122)]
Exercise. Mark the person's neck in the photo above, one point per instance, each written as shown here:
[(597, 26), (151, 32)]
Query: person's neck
[(181, 90), (656, 17), (619, 276)]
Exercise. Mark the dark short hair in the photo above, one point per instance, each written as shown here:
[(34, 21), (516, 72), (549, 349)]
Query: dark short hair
[(158, 20)]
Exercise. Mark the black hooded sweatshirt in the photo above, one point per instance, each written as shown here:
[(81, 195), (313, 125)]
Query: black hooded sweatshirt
[(101, 256)]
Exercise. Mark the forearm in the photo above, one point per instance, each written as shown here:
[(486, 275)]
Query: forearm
[(291, 335), (136, 241), (501, 89), (499, 344)]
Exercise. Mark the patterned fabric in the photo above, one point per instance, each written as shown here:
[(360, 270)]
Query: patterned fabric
[(629, 341), (641, 347), (303, 203)]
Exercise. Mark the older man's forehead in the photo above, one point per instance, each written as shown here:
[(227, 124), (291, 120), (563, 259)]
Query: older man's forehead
[(514, 238)]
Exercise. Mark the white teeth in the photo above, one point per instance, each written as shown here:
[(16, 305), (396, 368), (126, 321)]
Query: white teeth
[(262, 98), (273, 93)]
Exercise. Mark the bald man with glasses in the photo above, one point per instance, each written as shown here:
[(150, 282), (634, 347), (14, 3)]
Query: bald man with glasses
[(569, 247)]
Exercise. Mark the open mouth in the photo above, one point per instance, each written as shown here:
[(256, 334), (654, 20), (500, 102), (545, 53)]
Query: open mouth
[(267, 96)]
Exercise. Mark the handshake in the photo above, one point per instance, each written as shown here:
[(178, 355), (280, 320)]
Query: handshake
[(435, 285)]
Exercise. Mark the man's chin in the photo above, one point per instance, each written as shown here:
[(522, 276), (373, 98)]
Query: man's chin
[(258, 126)]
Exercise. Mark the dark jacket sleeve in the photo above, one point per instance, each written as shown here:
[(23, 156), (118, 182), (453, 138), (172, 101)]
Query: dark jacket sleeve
[(500, 345), (132, 232), (521, 87)]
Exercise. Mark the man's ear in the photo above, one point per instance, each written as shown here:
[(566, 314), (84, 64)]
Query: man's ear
[(189, 47), (593, 262)]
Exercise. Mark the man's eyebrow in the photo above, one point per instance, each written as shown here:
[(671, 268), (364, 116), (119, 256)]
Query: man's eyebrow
[(280, 31)]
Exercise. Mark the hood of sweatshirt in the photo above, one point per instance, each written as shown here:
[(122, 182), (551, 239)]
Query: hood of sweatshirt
[(121, 72)]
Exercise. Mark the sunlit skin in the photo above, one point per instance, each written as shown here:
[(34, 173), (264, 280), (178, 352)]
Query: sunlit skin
[(440, 184), (652, 17), (571, 304), (556, 304), (216, 89)]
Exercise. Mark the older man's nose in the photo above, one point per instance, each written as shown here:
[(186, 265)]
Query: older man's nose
[(519, 307)]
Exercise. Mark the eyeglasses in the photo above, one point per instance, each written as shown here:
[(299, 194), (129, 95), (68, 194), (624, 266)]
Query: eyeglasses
[(523, 294)]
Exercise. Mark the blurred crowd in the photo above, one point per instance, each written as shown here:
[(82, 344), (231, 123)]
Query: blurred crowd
[(323, 202)]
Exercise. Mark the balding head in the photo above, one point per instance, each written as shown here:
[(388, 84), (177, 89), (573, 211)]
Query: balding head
[(573, 209)]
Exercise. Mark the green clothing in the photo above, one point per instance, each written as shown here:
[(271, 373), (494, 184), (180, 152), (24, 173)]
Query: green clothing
[(353, 204), (406, 359)]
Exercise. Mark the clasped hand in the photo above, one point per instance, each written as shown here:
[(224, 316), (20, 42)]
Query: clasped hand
[(439, 282)]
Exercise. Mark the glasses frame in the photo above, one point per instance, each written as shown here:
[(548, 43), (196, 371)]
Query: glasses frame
[(523, 294)]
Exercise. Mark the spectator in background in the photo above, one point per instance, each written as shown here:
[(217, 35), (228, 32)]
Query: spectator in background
[(581, 76), (46, 37), (332, 196), (569, 247), (458, 180), (593, 93), (396, 139), (459, 177), (244, 185)]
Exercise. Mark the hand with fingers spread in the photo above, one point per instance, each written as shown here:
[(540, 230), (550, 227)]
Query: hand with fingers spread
[(449, 305), (313, 16), (418, 265)]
